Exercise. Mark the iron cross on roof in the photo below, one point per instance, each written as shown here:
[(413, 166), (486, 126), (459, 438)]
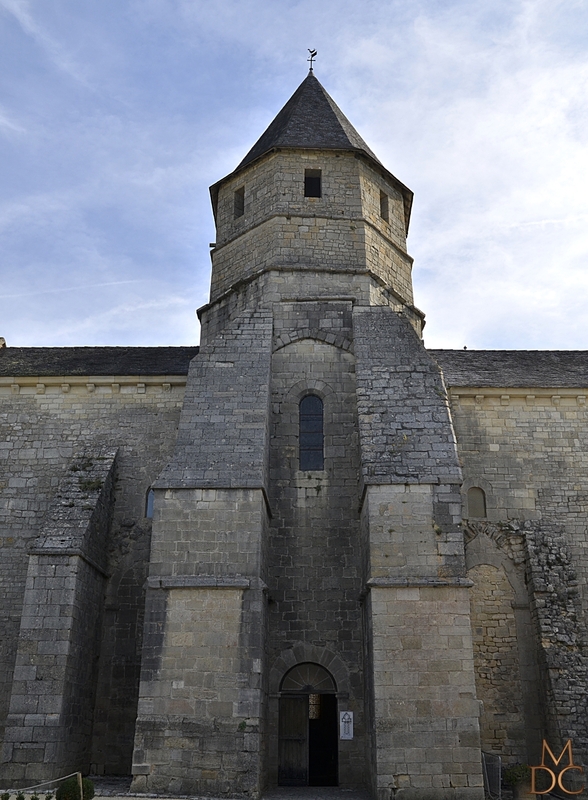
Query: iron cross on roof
[(312, 57)]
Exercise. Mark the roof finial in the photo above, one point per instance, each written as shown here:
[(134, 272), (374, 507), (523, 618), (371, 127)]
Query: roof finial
[(311, 59)]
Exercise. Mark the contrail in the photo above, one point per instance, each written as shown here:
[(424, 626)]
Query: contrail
[(67, 289)]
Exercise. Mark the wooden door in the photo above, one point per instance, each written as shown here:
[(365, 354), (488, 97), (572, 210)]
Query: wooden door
[(293, 741)]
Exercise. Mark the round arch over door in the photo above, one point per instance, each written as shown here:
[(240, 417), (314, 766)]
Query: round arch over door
[(308, 677), (308, 730)]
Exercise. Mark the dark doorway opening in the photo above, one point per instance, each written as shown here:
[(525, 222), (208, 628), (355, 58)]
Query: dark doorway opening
[(308, 730), (323, 743)]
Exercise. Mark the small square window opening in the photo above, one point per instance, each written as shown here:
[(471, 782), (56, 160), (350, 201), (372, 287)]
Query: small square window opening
[(312, 183), (239, 202)]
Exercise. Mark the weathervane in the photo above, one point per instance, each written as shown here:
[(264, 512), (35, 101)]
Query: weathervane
[(312, 57)]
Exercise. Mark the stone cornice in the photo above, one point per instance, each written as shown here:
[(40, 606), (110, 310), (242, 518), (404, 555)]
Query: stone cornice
[(529, 395), (65, 383)]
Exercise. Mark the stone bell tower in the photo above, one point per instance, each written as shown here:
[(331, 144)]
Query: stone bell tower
[(307, 617)]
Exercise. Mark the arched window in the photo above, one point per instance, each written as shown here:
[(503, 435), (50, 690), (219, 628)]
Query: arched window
[(149, 504), (476, 502), (311, 437)]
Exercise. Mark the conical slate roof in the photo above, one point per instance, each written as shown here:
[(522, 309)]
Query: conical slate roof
[(310, 120)]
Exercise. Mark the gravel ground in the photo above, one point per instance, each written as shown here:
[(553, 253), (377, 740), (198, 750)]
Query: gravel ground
[(118, 789)]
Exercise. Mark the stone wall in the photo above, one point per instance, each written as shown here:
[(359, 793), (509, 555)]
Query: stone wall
[(44, 423), (506, 650), (420, 659), (340, 231), (200, 725), (561, 628), (200, 728), (314, 572), (527, 448), (49, 725), (426, 723), (287, 284), (498, 676)]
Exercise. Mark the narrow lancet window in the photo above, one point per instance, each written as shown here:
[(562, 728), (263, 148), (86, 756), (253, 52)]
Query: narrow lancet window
[(312, 183), (239, 202), (384, 206), (476, 502), (311, 434), (149, 504)]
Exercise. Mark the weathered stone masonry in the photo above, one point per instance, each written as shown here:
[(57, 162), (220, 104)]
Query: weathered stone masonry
[(430, 578), (57, 405), (236, 515), (524, 442)]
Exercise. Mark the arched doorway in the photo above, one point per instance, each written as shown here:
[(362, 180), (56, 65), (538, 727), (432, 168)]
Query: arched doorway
[(308, 740)]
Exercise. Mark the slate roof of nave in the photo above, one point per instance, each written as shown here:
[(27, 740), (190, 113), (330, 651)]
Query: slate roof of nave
[(498, 368), (38, 361), (513, 368), (310, 120)]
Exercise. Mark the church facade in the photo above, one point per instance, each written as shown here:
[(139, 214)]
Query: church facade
[(310, 551)]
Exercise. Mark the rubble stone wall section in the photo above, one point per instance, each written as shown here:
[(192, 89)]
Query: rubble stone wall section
[(562, 633)]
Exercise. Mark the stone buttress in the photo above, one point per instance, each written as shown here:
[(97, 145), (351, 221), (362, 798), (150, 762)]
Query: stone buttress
[(49, 724), (283, 592), (424, 712), (200, 715)]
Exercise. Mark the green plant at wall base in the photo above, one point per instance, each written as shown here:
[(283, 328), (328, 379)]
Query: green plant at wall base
[(34, 796), (49, 796), (5, 796), (517, 773), (70, 790), (20, 796)]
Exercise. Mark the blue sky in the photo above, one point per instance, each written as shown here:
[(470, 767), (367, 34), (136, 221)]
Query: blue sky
[(116, 116)]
